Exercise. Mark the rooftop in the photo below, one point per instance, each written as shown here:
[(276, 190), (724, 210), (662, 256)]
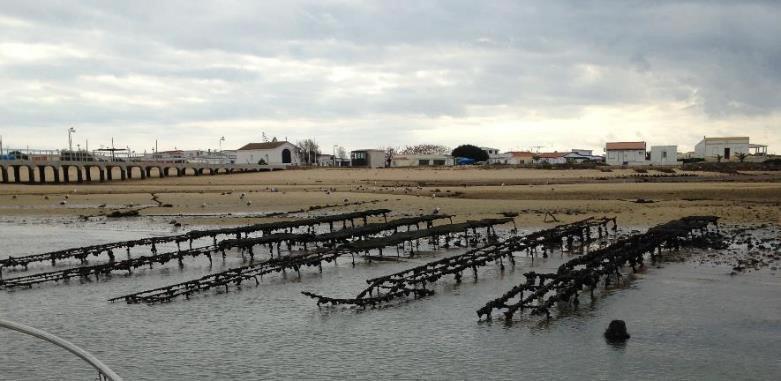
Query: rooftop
[(625, 146), (266, 145), (718, 138)]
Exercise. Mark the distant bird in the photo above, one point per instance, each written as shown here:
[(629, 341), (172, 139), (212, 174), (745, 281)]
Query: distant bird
[(435, 211), (63, 202), (66, 197), (45, 197), (242, 195), (433, 195), (249, 203)]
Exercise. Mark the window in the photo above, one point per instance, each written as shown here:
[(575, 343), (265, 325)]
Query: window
[(664, 154), (423, 162), (439, 162)]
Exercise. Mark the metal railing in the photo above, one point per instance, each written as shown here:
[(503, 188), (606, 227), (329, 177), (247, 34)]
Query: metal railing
[(104, 372)]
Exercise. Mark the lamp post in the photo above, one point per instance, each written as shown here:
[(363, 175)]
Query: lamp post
[(70, 139)]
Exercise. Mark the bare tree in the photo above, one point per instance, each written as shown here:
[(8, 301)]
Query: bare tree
[(741, 156), (425, 149), (341, 153), (389, 153), (308, 151)]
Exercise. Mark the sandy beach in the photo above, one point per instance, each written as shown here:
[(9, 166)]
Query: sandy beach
[(637, 199)]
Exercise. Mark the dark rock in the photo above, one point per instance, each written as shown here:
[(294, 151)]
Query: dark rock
[(616, 331)]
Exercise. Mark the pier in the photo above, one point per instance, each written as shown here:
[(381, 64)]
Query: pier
[(65, 172)]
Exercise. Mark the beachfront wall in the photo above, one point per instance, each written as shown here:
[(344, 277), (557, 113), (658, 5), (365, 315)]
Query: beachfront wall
[(664, 155), (422, 161), (271, 153), (726, 147)]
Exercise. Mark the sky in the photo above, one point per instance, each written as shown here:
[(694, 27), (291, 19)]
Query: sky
[(555, 75)]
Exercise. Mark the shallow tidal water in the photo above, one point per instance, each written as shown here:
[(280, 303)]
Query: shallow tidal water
[(687, 321)]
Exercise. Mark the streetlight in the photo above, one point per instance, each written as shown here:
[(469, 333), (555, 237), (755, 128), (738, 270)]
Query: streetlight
[(70, 140)]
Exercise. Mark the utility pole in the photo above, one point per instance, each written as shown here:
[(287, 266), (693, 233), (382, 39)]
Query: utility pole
[(70, 139)]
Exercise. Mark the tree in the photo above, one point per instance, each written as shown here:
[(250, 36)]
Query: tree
[(425, 149), (308, 151), (389, 153), (471, 152), (341, 153), (741, 156)]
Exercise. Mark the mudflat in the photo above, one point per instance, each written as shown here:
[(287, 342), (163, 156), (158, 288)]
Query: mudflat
[(536, 196)]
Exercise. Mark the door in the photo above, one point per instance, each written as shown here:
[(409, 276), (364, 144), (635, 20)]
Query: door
[(726, 153), (286, 156)]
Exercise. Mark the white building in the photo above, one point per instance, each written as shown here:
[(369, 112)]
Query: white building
[(494, 157), (271, 153), (551, 158), (726, 147), (520, 157), (372, 158), (625, 153), (579, 156), (664, 155), (325, 160), (435, 160)]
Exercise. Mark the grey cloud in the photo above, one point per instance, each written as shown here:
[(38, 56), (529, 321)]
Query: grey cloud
[(550, 58)]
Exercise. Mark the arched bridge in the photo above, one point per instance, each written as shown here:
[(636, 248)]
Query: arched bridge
[(58, 172)]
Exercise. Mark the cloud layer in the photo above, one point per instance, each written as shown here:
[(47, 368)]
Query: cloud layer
[(369, 74)]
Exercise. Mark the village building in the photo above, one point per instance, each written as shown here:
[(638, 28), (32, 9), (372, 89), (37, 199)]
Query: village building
[(578, 156), (625, 153), (664, 155), (494, 157), (727, 148), (371, 158), (325, 160), (433, 160), (520, 158), (271, 153), (550, 158)]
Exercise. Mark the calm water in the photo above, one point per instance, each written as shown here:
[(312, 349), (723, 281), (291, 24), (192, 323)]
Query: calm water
[(686, 322)]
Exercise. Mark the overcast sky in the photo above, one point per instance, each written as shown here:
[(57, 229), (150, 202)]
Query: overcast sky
[(512, 75)]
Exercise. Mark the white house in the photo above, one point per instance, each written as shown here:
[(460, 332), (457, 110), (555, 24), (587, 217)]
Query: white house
[(726, 147), (664, 155), (271, 153), (435, 160), (551, 158), (520, 157), (579, 156), (325, 160), (625, 153), (494, 157)]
